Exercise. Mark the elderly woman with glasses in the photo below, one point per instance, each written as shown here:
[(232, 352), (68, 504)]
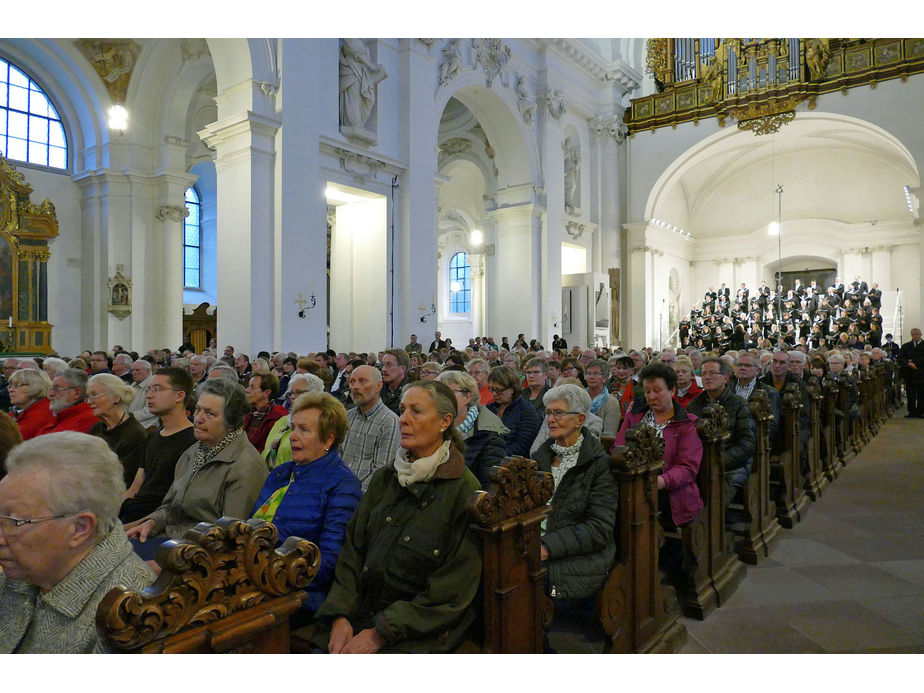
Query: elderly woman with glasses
[(109, 398), (481, 430), (62, 547), (602, 403), (577, 544), (277, 449), (219, 476), (28, 394), (516, 413)]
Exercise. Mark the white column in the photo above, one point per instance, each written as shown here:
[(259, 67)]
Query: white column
[(300, 232), (244, 170), (415, 261), (547, 281), (518, 295)]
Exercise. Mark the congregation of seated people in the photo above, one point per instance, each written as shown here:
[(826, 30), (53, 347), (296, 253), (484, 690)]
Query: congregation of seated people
[(373, 457)]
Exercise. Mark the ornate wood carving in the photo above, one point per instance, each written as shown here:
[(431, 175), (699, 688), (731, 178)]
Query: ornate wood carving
[(786, 476), (218, 570), (518, 488)]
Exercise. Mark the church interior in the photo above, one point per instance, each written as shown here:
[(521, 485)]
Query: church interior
[(306, 194)]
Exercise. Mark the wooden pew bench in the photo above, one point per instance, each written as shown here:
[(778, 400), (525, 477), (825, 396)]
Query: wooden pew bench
[(224, 588), (711, 571), (814, 481), (762, 533), (785, 475), (639, 614)]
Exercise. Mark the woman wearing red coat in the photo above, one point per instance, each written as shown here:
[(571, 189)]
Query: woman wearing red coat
[(683, 451), (28, 388)]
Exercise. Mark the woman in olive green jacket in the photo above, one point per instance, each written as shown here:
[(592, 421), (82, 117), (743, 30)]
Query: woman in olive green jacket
[(410, 565)]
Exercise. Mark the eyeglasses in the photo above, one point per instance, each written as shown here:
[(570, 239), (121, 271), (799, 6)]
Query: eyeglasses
[(54, 390), (558, 413), (159, 388), (89, 397), (462, 392), (569, 368), (535, 373), (9, 524), (496, 390)]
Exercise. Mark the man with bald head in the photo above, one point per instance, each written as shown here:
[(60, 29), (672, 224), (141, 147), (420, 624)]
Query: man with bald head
[(374, 436)]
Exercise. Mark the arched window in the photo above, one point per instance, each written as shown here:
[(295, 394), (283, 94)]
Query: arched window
[(192, 241), (30, 129), (460, 284)]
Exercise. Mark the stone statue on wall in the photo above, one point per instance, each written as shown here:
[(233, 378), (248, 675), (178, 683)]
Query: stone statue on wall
[(452, 62), (572, 153), (524, 102), (359, 77), (673, 310)]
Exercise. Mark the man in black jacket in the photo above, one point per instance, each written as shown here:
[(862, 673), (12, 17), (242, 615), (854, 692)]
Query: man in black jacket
[(739, 447), (911, 361)]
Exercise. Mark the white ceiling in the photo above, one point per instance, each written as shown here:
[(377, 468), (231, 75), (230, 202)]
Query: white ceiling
[(830, 167)]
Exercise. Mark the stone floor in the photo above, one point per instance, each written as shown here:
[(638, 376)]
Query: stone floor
[(849, 578)]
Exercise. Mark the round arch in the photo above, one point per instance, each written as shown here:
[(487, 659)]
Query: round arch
[(495, 109)]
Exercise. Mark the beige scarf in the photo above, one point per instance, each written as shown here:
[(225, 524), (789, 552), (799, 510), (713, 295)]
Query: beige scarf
[(421, 469)]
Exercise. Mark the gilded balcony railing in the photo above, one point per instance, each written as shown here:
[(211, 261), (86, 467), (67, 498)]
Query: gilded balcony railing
[(759, 82)]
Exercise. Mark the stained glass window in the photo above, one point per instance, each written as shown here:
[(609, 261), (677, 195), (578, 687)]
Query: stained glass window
[(192, 241), (30, 129), (460, 284)]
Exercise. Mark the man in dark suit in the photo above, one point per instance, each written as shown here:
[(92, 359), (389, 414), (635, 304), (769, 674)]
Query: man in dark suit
[(911, 362), (875, 296), (436, 344)]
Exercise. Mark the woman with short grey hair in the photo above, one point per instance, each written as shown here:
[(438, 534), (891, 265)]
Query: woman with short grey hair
[(28, 394), (577, 542), (481, 429), (221, 475), (59, 507), (109, 398)]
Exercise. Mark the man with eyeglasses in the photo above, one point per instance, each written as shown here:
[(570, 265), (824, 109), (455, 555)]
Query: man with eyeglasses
[(739, 446), (166, 398), (778, 377), (395, 364), (66, 399), (374, 435), (746, 382)]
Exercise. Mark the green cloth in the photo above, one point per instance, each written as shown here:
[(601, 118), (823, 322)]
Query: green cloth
[(280, 431)]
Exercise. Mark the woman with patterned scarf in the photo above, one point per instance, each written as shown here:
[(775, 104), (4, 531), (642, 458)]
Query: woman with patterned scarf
[(219, 476), (577, 545), (481, 429)]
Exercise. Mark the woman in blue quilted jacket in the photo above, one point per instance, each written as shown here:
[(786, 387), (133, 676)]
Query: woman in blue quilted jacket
[(313, 496)]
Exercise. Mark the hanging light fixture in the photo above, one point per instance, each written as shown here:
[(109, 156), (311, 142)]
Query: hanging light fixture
[(476, 237)]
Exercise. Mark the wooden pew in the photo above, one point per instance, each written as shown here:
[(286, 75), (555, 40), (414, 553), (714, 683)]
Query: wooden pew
[(224, 588), (712, 571), (829, 461), (763, 531), (814, 480), (785, 475), (515, 607), (636, 611), (842, 436)]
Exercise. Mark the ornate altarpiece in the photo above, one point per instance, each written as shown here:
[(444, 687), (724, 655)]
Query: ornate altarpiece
[(26, 229)]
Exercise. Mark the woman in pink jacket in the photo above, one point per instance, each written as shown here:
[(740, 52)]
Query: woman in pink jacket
[(683, 451)]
